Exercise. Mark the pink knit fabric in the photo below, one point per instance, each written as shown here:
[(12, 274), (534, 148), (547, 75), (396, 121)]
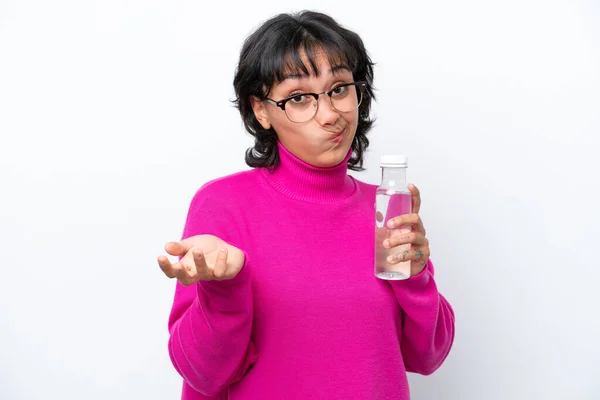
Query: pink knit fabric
[(305, 318)]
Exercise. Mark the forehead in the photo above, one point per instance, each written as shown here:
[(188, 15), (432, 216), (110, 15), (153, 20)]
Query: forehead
[(313, 62)]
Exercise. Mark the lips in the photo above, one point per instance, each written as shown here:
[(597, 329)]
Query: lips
[(338, 137)]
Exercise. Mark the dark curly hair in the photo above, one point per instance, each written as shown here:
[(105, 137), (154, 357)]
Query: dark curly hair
[(275, 48)]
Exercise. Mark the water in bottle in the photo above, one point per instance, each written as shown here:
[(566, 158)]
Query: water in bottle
[(392, 199)]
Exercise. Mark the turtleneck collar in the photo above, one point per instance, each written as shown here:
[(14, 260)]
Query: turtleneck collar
[(302, 181)]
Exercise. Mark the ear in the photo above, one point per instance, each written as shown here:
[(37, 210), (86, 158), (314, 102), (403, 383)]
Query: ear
[(260, 112)]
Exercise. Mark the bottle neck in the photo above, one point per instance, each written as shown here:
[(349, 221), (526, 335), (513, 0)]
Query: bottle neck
[(394, 178)]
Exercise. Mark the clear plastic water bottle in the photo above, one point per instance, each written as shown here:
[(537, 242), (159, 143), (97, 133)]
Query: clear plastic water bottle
[(392, 199)]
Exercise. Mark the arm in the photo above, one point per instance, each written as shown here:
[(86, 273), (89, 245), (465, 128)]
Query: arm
[(428, 319), (211, 321), (428, 322)]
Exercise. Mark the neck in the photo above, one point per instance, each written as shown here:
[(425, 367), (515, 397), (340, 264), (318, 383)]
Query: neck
[(302, 181)]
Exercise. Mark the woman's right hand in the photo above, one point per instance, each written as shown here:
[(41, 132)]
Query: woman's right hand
[(204, 258)]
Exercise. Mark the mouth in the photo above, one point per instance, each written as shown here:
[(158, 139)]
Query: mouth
[(338, 137)]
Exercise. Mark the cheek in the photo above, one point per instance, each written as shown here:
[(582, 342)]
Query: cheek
[(280, 122), (289, 131), (352, 121)]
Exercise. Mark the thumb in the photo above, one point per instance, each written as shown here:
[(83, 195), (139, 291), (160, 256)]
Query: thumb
[(177, 248), (416, 198)]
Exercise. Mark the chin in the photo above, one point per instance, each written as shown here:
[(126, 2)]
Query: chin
[(333, 157)]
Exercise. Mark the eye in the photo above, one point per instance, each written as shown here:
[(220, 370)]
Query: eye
[(299, 99), (340, 90)]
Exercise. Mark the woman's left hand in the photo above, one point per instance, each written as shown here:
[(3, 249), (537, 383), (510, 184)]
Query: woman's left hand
[(419, 250)]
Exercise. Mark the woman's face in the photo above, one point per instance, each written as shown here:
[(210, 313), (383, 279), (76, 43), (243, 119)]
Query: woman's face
[(324, 140)]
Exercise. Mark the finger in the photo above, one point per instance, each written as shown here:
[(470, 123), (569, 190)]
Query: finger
[(177, 248), (182, 277), (416, 198), (419, 227), (417, 254), (166, 267), (204, 272), (221, 264), (185, 273), (414, 238), (404, 220)]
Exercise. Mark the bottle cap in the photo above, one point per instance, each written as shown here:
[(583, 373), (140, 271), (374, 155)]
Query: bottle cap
[(394, 161)]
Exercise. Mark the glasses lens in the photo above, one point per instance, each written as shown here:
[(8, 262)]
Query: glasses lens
[(301, 108), (346, 98)]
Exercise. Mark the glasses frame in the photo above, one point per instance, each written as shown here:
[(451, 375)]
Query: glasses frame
[(281, 103)]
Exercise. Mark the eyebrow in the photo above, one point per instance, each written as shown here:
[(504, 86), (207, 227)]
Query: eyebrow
[(336, 69)]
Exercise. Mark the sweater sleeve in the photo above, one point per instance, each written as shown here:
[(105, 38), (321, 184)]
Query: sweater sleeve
[(428, 322), (210, 322)]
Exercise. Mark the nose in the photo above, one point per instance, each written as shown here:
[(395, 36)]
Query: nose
[(326, 114)]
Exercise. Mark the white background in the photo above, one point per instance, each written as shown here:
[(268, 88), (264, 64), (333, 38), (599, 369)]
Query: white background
[(112, 114)]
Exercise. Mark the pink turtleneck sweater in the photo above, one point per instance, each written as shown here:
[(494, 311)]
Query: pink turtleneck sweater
[(305, 318)]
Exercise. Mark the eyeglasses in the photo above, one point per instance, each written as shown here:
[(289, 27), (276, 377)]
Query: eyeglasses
[(303, 107)]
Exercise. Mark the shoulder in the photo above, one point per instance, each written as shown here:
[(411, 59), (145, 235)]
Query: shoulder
[(217, 203), (226, 188), (364, 188)]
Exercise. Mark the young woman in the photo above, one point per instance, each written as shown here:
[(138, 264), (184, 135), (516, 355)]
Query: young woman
[(276, 296)]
